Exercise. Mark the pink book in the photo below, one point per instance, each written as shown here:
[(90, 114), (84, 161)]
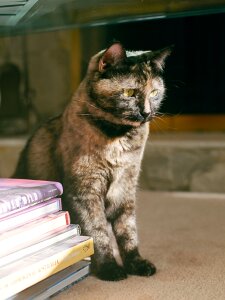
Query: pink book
[(32, 231), (20, 193), (21, 217), (52, 237)]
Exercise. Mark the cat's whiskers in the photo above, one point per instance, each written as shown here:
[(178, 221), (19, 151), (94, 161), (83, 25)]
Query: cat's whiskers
[(156, 117), (157, 124), (84, 114), (86, 102), (162, 120), (163, 114)]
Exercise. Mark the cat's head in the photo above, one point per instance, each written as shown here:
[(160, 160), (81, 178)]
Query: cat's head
[(127, 86)]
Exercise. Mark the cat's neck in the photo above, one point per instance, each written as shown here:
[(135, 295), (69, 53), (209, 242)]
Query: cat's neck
[(110, 130)]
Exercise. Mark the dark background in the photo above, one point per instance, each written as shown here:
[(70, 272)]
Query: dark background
[(195, 72)]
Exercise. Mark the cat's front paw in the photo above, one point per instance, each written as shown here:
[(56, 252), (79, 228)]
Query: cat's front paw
[(110, 271), (139, 266)]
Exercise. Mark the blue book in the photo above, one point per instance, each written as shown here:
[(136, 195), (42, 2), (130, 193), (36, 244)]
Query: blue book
[(55, 283)]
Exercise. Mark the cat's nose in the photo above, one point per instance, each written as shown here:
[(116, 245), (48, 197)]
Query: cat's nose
[(145, 115)]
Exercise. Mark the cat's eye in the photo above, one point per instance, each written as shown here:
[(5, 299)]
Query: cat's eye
[(153, 93), (128, 92)]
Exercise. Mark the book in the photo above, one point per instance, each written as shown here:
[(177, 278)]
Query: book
[(55, 283), (30, 213), (30, 247), (20, 193), (33, 268), (32, 231)]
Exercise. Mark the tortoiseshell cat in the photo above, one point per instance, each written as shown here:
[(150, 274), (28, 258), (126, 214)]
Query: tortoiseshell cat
[(95, 149)]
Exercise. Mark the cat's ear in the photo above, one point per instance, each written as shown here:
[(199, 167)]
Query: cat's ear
[(158, 58), (112, 56)]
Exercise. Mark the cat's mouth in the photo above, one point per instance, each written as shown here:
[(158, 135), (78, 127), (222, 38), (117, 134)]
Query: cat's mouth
[(138, 119)]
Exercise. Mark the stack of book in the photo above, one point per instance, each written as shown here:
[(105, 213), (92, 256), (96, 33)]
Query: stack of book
[(41, 252)]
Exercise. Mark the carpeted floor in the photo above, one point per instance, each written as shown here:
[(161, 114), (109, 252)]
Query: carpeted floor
[(184, 235)]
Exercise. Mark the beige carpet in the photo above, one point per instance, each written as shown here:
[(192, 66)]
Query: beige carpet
[(184, 235)]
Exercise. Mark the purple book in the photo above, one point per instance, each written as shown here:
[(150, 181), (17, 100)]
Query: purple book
[(21, 193), (20, 217)]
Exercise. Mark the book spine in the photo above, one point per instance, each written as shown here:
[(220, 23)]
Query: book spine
[(23, 278), (29, 214), (33, 230), (7, 183), (16, 198), (70, 230)]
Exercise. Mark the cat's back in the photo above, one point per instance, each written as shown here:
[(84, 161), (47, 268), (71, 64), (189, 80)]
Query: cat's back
[(40, 155), (48, 133)]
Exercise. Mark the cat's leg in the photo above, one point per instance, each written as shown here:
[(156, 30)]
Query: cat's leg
[(124, 227), (89, 211)]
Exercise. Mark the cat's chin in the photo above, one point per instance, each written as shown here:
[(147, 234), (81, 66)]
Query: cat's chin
[(134, 123)]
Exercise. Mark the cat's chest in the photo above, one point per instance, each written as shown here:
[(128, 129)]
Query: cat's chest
[(127, 150), (124, 166), (118, 153)]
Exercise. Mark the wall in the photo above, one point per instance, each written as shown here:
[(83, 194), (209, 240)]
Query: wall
[(50, 59)]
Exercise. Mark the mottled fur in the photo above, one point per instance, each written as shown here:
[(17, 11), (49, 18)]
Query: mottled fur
[(95, 149)]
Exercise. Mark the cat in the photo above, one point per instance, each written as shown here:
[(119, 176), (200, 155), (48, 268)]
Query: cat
[(95, 148)]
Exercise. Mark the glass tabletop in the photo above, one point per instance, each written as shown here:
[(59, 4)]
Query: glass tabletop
[(21, 16)]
